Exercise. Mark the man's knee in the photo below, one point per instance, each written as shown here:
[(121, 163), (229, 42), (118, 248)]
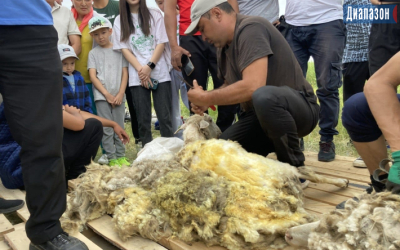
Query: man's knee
[(95, 126), (358, 119), (351, 110), (265, 96)]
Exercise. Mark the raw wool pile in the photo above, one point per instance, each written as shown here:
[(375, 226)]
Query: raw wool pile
[(235, 199), (102, 188), (371, 223)]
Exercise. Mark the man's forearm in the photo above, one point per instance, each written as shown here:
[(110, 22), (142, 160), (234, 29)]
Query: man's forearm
[(105, 122), (230, 94), (170, 21)]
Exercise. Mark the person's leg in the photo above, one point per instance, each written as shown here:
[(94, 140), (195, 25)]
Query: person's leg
[(176, 120), (355, 74), (297, 40), (118, 115), (162, 106), (285, 115), (142, 102), (80, 147), (249, 134), (384, 42), (31, 85), (105, 110), (327, 46), (132, 112), (367, 137), (226, 114)]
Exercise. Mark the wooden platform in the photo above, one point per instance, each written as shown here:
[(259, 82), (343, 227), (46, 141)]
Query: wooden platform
[(319, 199)]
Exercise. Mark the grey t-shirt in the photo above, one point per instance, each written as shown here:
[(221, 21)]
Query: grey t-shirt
[(269, 9), (256, 38), (108, 64)]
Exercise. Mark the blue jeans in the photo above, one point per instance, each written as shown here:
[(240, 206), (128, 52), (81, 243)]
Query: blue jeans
[(325, 43)]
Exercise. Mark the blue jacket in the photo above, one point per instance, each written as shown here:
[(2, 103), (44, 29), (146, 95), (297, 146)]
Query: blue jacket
[(81, 97), (10, 164)]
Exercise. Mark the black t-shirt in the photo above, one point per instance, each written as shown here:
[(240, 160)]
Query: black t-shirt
[(255, 38)]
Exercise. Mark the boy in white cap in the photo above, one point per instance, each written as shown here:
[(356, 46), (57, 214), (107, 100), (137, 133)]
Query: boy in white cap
[(108, 71), (75, 92)]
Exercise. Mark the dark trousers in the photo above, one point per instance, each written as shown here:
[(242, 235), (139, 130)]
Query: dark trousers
[(204, 59), (80, 147), (354, 76), (31, 85), (325, 43), (162, 105), (384, 42), (358, 120), (132, 112), (280, 117)]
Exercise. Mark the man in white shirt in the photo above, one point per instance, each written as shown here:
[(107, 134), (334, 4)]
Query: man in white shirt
[(64, 22), (317, 30), (269, 9)]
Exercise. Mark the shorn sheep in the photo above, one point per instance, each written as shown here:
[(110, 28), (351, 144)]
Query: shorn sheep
[(371, 222), (211, 191)]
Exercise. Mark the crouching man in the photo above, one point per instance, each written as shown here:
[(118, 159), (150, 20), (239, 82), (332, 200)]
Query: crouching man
[(260, 72), (373, 116)]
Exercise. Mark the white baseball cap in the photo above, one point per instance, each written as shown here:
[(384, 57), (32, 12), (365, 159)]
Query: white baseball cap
[(199, 8), (66, 51)]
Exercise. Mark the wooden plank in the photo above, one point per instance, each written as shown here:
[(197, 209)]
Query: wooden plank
[(12, 194), (20, 227), (345, 192), (98, 240), (4, 246), (17, 240), (176, 244), (104, 227), (88, 242), (317, 206), (5, 226)]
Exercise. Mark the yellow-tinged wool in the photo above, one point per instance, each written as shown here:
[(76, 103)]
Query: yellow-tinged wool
[(229, 159)]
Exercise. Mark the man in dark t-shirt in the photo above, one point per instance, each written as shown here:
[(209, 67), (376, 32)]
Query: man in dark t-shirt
[(260, 72)]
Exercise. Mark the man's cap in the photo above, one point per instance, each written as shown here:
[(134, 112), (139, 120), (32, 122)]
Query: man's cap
[(98, 22), (199, 8), (66, 51)]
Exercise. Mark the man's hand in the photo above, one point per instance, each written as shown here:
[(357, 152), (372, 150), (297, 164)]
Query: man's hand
[(118, 99), (176, 56), (71, 109), (198, 110), (198, 96), (375, 2), (123, 136)]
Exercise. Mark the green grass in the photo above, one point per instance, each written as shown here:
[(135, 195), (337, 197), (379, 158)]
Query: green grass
[(311, 142)]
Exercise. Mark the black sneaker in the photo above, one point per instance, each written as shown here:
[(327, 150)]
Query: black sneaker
[(61, 242), (8, 206), (326, 151)]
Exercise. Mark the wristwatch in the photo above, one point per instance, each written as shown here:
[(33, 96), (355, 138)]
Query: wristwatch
[(151, 65)]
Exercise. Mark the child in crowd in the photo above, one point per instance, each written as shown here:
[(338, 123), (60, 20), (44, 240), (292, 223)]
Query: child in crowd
[(176, 84), (140, 34), (75, 92), (108, 72)]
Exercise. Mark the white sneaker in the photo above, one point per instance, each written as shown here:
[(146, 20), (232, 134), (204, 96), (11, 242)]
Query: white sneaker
[(359, 163), (103, 160)]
